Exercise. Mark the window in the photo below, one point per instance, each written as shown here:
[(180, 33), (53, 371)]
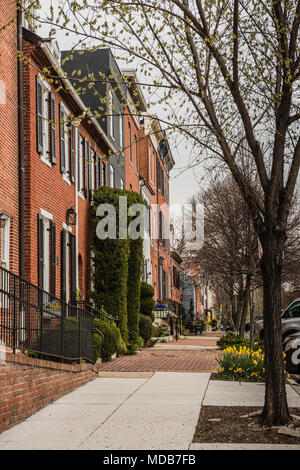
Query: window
[(294, 311), (129, 142), (110, 118), (79, 162), (135, 153), (121, 132), (111, 176), (46, 253), (44, 111), (64, 146), (5, 242), (122, 184), (149, 163), (153, 166)]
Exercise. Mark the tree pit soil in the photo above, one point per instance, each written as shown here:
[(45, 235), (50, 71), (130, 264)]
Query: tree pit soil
[(227, 426)]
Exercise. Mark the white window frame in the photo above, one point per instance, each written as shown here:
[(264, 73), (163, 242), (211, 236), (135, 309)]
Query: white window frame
[(111, 176), (121, 132), (5, 242), (46, 254), (66, 174), (46, 89), (110, 118), (122, 183), (79, 144)]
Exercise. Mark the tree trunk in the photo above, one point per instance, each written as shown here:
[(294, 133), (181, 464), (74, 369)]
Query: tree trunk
[(245, 306), (239, 306), (275, 411)]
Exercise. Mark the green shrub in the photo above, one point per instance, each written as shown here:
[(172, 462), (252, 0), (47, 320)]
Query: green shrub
[(146, 327), (118, 266), (234, 340), (140, 343), (147, 301), (97, 346), (111, 341), (121, 348), (159, 331)]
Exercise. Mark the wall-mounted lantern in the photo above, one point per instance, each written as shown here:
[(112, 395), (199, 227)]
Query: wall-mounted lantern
[(71, 218)]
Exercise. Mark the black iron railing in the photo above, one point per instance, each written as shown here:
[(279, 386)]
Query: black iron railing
[(96, 311), (33, 320)]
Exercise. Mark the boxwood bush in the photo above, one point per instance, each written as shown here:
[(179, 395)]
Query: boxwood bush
[(111, 342), (146, 327)]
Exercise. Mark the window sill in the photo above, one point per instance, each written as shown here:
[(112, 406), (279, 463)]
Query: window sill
[(66, 179), (45, 160)]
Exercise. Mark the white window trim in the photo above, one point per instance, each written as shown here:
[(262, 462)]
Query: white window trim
[(110, 115), (112, 174), (45, 156), (66, 175), (46, 214), (5, 243)]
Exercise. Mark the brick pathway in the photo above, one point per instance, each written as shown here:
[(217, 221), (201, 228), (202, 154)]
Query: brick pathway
[(166, 360)]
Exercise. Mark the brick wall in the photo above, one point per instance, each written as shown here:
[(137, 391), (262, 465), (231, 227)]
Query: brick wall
[(27, 385), (46, 188), (9, 186)]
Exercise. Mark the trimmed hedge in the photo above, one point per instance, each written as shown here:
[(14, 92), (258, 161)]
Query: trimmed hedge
[(146, 327), (111, 341), (118, 267), (147, 301)]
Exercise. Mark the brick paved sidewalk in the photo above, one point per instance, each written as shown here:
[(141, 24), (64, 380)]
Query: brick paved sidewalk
[(154, 360)]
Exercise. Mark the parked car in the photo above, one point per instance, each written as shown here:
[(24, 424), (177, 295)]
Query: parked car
[(290, 321), (291, 347)]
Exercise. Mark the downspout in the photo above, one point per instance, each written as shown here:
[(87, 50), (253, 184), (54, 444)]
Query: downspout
[(21, 142)]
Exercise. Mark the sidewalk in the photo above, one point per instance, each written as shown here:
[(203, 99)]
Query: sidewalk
[(148, 411)]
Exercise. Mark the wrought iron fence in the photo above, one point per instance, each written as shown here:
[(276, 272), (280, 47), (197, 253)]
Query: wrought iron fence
[(97, 312), (31, 319)]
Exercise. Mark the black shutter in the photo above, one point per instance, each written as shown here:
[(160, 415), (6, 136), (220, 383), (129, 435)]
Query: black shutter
[(63, 266), (100, 163), (40, 251), (90, 174), (73, 268), (62, 147), (53, 259), (72, 153), (52, 128), (79, 143), (96, 168), (39, 116), (85, 158)]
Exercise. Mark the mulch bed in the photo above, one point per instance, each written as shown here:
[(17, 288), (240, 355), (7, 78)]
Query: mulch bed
[(229, 427)]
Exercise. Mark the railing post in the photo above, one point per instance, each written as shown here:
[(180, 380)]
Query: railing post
[(14, 318), (62, 329), (41, 295), (79, 336)]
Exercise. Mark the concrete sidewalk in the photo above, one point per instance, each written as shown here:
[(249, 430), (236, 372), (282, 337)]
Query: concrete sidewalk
[(136, 411), (156, 412)]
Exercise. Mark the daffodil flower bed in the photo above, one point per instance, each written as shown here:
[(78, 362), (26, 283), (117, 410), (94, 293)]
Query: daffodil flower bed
[(241, 364)]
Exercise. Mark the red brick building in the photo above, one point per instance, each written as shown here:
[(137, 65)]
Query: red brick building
[(9, 162), (63, 150)]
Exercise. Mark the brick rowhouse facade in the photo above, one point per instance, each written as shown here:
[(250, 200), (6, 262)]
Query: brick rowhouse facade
[(156, 163), (63, 166), (9, 181)]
